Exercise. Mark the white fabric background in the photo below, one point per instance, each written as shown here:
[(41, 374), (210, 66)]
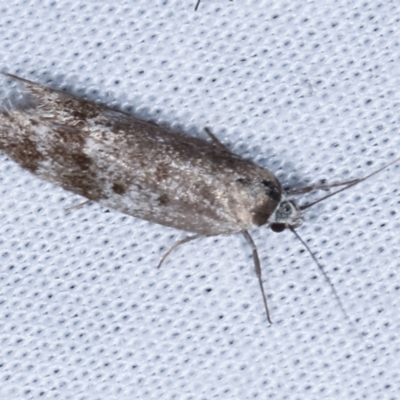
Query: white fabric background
[(307, 89)]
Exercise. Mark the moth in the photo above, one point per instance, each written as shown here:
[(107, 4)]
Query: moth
[(141, 169)]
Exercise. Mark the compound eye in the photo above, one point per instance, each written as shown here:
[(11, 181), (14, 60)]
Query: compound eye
[(278, 227)]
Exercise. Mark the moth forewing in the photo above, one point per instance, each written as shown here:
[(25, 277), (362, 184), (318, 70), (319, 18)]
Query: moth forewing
[(141, 169)]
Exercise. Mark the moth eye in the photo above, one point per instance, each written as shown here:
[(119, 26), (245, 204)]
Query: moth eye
[(278, 227)]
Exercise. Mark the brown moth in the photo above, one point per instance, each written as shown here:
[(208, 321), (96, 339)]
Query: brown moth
[(147, 171)]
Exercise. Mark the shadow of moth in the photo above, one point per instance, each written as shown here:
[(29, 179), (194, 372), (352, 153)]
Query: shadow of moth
[(146, 171)]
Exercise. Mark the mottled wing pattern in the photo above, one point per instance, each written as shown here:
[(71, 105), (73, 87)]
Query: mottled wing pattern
[(134, 166)]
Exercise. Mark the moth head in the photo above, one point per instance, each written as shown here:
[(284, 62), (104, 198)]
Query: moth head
[(286, 215)]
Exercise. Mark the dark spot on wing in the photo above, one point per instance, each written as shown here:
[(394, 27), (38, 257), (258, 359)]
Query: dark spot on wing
[(118, 188), (243, 181), (29, 155), (272, 190), (162, 171), (163, 200), (81, 110), (22, 150), (82, 161), (75, 170)]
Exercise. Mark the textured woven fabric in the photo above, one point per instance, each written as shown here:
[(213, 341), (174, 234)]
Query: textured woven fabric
[(308, 90)]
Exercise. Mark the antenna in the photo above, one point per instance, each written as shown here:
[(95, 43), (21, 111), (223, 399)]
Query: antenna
[(322, 271), (347, 185)]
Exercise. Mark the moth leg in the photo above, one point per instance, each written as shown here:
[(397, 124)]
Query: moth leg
[(78, 205), (312, 188), (174, 246), (215, 139), (257, 268)]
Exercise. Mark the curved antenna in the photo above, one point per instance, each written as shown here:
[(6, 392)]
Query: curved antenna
[(322, 271), (350, 184)]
